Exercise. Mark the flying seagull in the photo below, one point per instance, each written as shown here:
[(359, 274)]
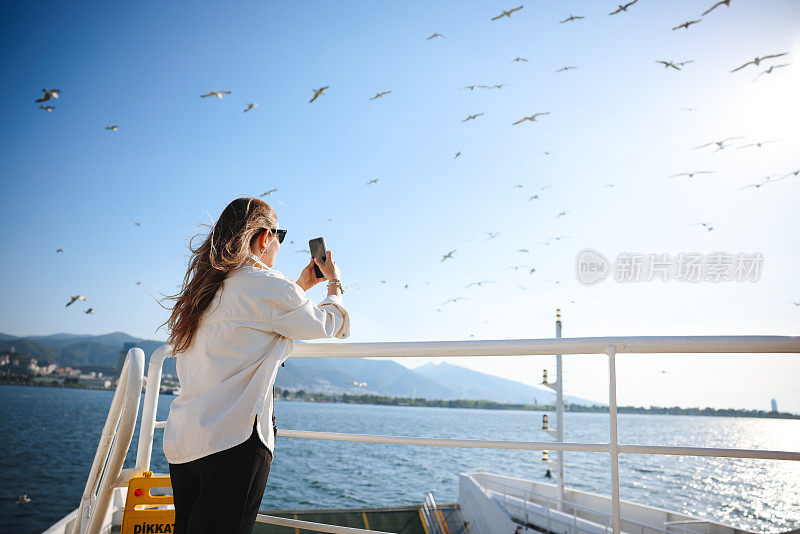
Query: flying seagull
[(518, 59), (138, 224), (726, 2), (705, 225), (23, 499), (531, 118), (686, 24), (250, 106), (113, 128), (720, 144), (434, 36), (752, 185), (480, 283), (457, 154), (492, 235), (758, 144), (89, 311), (74, 299), (48, 94), (317, 92), (218, 94), (625, 7), (472, 87), (566, 68), (472, 117), (448, 255), (570, 18), (668, 64), (373, 181), (691, 174), (453, 300), (561, 214), (380, 95), (756, 61), (48, 109), (507, 13), (268, 192), (768, 71), (59, 250)]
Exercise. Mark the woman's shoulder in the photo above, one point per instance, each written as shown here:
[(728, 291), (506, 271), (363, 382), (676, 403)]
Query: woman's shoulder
[(266, 278), (270, 284)]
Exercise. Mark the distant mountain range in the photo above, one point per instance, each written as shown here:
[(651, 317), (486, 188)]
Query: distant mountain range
[(324, 375)]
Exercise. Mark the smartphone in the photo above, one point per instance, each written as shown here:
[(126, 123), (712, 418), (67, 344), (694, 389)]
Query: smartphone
[(317, 248)]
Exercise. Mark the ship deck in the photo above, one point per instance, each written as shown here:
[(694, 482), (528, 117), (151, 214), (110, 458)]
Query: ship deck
[(399, 519)]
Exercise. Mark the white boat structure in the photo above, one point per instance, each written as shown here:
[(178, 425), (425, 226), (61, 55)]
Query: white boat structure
[(488, 503)]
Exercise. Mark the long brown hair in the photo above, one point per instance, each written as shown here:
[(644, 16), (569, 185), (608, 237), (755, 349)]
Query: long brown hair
[(225, 248)]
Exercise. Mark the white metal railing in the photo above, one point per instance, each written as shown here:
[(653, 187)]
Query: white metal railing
[(611, 346), (106, 470), (431, 515)]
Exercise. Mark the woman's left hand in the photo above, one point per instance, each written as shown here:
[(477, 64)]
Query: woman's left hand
[(308, 278)]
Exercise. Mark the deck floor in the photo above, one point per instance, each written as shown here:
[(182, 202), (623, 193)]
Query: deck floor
[(398, 519)]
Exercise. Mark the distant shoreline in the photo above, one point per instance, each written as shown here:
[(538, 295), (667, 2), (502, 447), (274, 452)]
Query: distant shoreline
[(345, 398), (379, 400)]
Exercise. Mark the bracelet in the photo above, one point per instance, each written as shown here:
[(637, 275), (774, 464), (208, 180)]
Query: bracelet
[(336, 282)]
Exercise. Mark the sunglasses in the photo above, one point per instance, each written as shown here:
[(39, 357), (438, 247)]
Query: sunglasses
[(281, 233)]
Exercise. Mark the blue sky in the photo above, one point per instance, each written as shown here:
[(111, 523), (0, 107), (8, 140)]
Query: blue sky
[(178, 159)]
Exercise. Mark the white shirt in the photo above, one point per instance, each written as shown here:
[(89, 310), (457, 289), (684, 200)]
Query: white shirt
[(227, 373)]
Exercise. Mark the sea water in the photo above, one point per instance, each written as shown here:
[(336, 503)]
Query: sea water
[(48, 437)]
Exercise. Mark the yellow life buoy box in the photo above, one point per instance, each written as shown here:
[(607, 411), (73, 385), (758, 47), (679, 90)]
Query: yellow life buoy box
[(145, 513)]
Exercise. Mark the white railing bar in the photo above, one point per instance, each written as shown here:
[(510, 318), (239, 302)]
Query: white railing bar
[(533, 347), (611, 350), (122, 441), (539, 445), (711, 451), (103, 448), (160, 424), (153, 390), (317, 527)]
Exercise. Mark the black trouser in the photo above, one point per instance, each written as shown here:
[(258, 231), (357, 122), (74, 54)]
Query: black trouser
[(221, 492)]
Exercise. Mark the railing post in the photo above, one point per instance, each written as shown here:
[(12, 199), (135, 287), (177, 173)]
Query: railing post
[(152, 391), (611, 350), (559, 418)]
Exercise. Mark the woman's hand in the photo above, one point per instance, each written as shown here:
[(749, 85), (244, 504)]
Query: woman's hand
[(329, 268), (307, 278)]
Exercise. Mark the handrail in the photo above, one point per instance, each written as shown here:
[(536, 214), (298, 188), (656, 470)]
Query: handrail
[(764, 454), (108, 459), (152, 391), (552, 346), (514, 347), (432, 517)]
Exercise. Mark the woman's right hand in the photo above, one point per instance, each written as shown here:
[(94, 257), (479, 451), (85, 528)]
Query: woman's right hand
[(329, 268)]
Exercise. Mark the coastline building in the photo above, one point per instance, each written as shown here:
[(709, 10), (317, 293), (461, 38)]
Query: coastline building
[(774, 406)]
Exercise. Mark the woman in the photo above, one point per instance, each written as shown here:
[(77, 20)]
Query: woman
[(231, 328)]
